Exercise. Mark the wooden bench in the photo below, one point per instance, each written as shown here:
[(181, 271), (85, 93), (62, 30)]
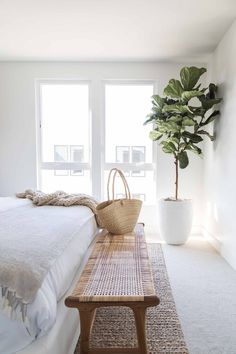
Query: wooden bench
[(117, 273)]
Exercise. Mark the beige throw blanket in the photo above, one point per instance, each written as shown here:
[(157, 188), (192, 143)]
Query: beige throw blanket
[(60, 198)]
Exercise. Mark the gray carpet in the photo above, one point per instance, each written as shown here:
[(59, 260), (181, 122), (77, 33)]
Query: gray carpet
[(114, 327), (204, 289)]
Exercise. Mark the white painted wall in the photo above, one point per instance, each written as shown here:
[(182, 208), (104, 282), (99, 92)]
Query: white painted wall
[(18, 129), (220, 161)]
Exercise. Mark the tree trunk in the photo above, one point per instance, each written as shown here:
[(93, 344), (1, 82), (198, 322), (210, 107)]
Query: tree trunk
[(176, 178)]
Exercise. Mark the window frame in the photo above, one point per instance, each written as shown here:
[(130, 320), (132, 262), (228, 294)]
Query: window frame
[(54, 165), (97, 126), (126, 167)]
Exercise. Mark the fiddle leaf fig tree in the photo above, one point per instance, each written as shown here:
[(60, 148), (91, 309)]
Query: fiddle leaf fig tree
[(180, 117)]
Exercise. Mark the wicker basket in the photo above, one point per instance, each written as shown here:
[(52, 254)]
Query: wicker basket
[(118, 216)]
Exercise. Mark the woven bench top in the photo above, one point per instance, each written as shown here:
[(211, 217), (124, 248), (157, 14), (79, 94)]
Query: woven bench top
[(118, 269)]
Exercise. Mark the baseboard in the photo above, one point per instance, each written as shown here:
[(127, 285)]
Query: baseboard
[(197, 230), (229, 256), (154, 230), (226, 253), (211, 239)]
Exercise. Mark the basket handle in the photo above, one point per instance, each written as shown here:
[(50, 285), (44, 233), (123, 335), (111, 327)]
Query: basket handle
[(125, 183), (126, 187)]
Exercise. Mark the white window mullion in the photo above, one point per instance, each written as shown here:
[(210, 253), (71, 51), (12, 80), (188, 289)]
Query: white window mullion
[(65, 165), (38, 115), (130, 166), (96, 138), (154, 145)]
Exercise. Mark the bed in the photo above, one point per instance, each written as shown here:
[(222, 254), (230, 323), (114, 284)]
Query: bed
[(54, 328)]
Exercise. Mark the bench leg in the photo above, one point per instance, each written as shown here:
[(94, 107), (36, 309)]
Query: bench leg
[(140, 321), (86, 321)]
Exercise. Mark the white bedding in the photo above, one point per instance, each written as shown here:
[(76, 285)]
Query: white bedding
[(42, 312)]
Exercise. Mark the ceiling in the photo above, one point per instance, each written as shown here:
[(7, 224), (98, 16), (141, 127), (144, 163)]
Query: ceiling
[(120, 30)]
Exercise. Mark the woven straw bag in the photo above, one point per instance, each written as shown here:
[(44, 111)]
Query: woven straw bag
[(118, 216)]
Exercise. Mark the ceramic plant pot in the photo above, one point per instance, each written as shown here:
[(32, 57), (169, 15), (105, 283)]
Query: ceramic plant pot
[(175, 220)]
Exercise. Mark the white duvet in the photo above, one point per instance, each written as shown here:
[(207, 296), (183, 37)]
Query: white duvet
[(42, 312)]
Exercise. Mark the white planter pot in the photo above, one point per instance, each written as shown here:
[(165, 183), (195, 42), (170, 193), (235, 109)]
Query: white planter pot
[(175, 219)]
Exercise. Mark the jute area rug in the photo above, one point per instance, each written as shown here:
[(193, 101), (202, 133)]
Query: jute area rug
[(114, 326)]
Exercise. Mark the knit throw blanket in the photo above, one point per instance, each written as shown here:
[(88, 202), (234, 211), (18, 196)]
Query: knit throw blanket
[(60, 198), (31, 239)]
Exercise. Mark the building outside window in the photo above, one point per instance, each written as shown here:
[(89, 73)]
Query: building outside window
[(77, 155), (122, 154), (61, 155)]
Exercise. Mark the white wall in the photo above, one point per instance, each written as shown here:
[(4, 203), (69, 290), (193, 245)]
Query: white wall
[(220, 161), (17, 123)]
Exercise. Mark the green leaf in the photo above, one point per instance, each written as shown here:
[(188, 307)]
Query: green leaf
[(171, 146), (151, 118), (197, 149), (194, 149), (209, 103), (156, 109), (168, 147), (162, 128), (198, 87), (212, 91), (176, 108), (188, 122), (190, 75), (166, 150), (155, 135), (158, 100), (193, 137), (173, 139), (197, 111), (187, 95), (174, 89), (172, 126), (183, 159), (175, 119), (211, 118), (167, 127), (204, 132)]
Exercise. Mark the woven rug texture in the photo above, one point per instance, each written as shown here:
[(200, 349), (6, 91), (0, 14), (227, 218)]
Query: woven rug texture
[(115, 327)]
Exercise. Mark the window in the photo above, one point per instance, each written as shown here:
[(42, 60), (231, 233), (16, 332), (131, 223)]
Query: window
[(75, 155), (127, 143), (64, 136)]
